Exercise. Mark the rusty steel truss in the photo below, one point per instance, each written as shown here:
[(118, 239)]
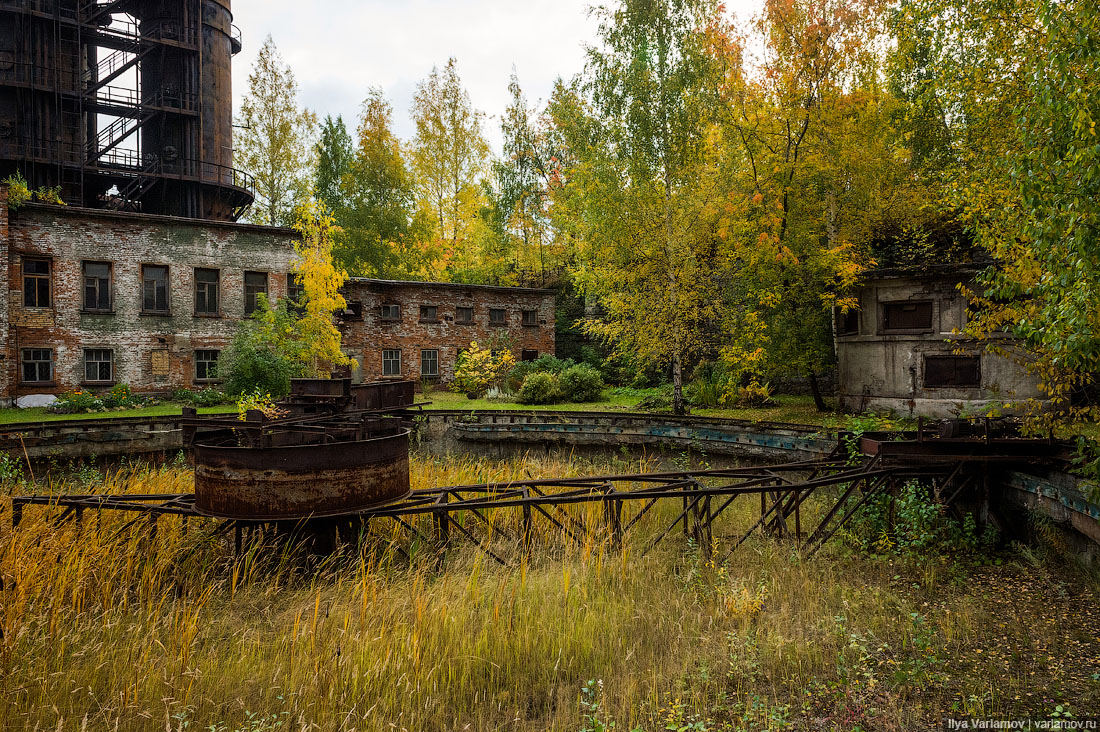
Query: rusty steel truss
[(461, 512)]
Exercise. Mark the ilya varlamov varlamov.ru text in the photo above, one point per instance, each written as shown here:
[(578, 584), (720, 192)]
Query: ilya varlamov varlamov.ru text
[(1022, 724)]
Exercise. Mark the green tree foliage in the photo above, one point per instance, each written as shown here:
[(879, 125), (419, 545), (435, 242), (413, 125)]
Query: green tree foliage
[(638, 200), (380, 238), (274, 139), (449, 157), (299, 339), (816, 172), (334, 155), (1014, 89)]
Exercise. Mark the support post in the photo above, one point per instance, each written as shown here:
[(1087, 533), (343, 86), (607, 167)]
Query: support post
[(613, 510), (442, 519)]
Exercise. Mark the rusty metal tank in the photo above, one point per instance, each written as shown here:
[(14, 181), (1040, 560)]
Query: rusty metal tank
[(335, 449), (302, 481)]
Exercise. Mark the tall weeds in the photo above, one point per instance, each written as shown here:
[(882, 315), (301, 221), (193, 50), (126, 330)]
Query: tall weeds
[(109, 626)]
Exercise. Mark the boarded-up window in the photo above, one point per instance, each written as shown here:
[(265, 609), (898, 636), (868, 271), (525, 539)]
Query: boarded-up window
[(160, 362), (907, 316), (952, 371)]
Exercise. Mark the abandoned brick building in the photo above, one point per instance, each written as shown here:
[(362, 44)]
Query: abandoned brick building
[(416, 330), (97, 298), (899, 351)]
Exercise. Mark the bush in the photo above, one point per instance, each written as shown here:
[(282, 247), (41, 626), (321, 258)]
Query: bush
[(252, 367), (121, 396), (754, 394), (581, 383), (77, 402), (203, 398), (710, 386), (545, 364), (540, 388), (478, 368)]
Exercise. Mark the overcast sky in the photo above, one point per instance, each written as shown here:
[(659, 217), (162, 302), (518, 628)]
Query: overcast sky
[(339, 48)]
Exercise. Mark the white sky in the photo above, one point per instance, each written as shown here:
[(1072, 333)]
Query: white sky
[(339, 48)]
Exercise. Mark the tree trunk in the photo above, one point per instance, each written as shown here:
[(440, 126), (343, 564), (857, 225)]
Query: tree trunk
[(815, 389), (677, 385)]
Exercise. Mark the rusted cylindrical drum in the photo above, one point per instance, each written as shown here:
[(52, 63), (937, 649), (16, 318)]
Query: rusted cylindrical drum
[(301, 481)]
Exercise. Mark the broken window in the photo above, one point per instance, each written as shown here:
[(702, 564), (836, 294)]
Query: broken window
[(847, 323), (952, 371), (206, 365), (98, 364), (154, 288), (907, 316), (530, 317), (36, 283), (391, 362), (352, 311), (97, 286), (37, 365), (464, 315), (429, 363), (391, 311), (498, 316), (255, 283), (206, 291), (528, 355), (429, 314)]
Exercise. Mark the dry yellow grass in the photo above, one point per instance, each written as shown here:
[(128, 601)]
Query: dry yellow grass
[(107, 628)]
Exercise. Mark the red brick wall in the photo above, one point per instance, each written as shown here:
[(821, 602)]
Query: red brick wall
[(367, 337), (71, 236)]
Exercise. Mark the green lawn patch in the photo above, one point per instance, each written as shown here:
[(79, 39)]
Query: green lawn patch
[(40, 414)]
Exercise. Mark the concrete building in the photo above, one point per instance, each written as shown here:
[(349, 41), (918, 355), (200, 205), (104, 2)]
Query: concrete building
[(899, 353), (416, 329)]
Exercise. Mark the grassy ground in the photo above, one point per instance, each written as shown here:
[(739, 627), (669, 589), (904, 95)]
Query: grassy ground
[(789, 409), (107, 627), (40, 414)]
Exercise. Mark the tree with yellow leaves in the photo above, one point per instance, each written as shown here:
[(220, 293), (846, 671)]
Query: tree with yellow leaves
[(320, 281)]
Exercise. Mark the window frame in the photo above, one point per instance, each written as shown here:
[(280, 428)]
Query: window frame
[(843, 322), (389, 360), (110, 365), (886, 329), (435, 352), (110, 279), (167, 289), (434, 314), (216, 313), (461, 321), (504, 318), (195, 360), (249, 296), (532, 321), (389, 318), (23, 361), (977, 359), (36, 277), (528, 354)]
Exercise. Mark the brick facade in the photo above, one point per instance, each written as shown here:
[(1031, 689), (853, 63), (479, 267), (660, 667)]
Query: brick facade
[(150, 351), (156, 351), (368, 334)]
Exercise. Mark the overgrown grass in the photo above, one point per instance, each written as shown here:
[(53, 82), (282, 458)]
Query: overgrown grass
[(107, 626)]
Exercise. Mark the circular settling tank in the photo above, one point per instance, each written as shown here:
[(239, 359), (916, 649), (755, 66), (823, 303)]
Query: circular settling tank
[(302, 481)]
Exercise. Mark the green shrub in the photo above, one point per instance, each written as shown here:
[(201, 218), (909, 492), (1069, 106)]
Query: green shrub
[(77, 402), (754, 394), (710, 386), (540, 388), (121, 396), (252, 366), (203, 398), (545, 364), (581, 383)]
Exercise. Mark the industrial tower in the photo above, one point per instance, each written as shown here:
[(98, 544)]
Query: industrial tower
[(124, 104)]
